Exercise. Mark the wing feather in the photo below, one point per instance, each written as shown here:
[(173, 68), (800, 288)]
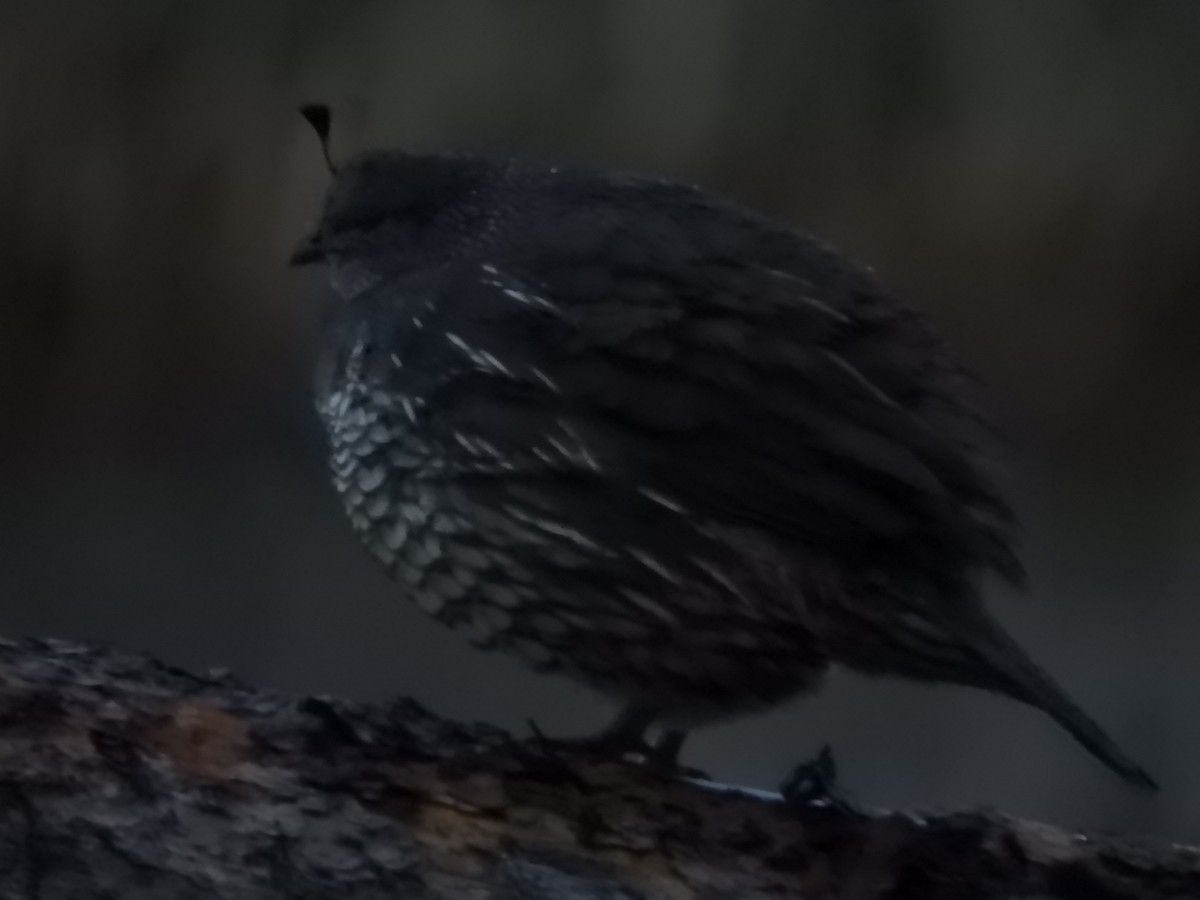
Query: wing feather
[(750, 392)]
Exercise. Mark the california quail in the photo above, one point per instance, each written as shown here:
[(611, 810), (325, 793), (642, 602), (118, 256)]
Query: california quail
[(642, 436)]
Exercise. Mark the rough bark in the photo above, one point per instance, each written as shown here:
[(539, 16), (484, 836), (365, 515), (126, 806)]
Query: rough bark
[(122, 777)]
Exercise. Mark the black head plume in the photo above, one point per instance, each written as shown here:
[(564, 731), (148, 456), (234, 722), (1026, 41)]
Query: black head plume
[(320, 118), (391, 203)]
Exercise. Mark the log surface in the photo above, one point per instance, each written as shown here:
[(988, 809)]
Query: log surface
[(121, 777)]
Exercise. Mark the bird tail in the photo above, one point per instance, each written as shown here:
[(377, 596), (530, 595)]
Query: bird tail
[(1022, 678)]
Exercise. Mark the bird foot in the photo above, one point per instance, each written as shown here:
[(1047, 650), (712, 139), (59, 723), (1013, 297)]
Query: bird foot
[(814, 784), (608, 744), (616, 744), (663, 758)]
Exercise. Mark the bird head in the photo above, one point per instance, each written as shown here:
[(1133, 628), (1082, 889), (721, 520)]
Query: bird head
[(394, 211)]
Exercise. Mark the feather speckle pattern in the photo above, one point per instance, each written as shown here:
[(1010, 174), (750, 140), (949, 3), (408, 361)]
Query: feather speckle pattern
[(634, 433)]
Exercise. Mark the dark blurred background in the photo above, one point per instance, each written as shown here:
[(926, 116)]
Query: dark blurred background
[(1028, 173)]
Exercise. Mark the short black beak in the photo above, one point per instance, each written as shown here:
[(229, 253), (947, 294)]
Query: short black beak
[(311, 250)]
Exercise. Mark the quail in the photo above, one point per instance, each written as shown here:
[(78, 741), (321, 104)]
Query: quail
[(639, 435)]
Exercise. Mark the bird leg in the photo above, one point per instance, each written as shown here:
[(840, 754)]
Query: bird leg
[(664, 756), (625, 734), (814, 783), (665, 752)]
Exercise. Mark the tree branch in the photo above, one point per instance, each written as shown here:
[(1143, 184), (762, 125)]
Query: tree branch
[(122, 777)]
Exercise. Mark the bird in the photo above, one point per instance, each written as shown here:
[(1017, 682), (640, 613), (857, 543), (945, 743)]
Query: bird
[(642, 436)]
